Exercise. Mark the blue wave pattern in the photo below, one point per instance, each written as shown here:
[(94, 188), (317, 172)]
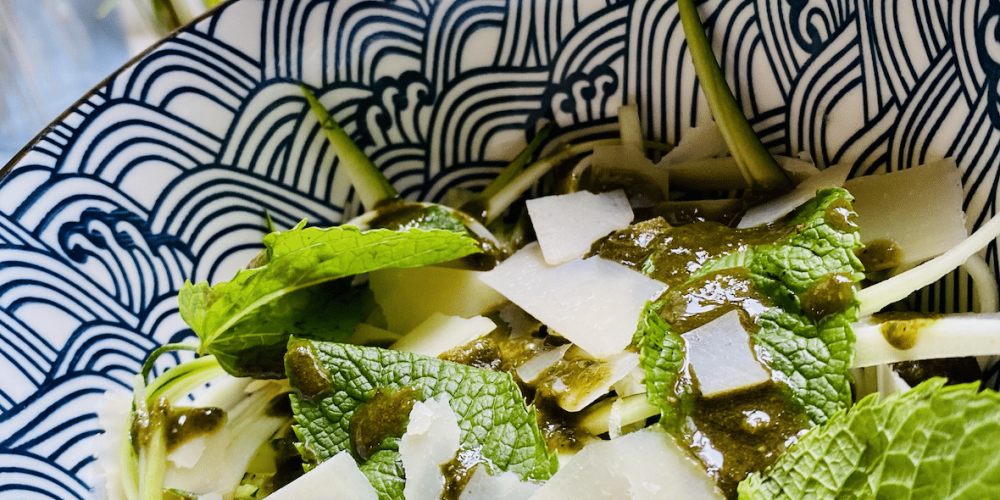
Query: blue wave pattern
[(162, 175)]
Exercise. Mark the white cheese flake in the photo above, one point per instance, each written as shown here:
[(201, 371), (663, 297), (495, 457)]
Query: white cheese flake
[(721, 357), (594, 303), (337, 478), (431, 440), (640, 465), (567, 225), (439, 334), (506, 486), (920, 209)]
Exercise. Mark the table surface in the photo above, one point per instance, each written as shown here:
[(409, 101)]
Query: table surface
[(53, 51)]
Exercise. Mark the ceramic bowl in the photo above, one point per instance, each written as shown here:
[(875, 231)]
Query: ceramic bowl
[(162, 173)]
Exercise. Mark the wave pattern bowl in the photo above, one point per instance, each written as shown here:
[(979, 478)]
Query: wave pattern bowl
[(162, 173)]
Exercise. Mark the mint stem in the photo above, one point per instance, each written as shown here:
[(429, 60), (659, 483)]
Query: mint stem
[(755, 162), (369, 182), (147, 367)]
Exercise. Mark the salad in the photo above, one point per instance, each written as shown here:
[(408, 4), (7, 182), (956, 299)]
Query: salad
[(711, 325)]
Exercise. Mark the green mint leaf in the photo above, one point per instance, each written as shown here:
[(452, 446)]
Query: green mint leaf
[(384, 470), (257, 348), (491, 412), (808, 276), (933, 442), (246, 322), (806, 338), (662, 357)]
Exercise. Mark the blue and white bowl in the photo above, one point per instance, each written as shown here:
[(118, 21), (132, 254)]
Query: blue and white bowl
[(163, 172)]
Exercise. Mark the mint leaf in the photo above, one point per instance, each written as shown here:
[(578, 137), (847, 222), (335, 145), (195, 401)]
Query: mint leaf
[(804, 335), (933, 442), (662, 357), (246, 322), (400, 215), (491, 411), (385, 471), (806, 338)]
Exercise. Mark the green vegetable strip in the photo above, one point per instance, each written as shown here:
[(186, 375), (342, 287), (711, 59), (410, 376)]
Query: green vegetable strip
[(369, 182), (516, 166), (180, 380), (499, 202), (755, 163), (150, 461), (930, 443), (143, 471)]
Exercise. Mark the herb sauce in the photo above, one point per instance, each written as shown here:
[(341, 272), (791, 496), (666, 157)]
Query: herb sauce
[(956, 370), (179, 425), (383, 415), (458, 471), (901, 330), (671, 254), (880, 254), (305, 372), (743, 433)]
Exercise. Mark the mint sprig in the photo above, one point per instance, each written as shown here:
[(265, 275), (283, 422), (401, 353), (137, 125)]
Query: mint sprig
[(247, 321), (933, 442)]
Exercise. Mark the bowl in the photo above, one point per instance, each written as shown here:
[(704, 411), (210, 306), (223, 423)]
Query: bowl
[(161, 173)]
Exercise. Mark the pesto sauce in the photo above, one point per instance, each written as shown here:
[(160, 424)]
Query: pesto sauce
[(482, 353), (832, 294), (179, 425), (671, 254), (305, 372), (458, 471), (956, 370), (901, 330), (880, 254), (840, 216), (561, 429), (712, 296), (743, 433), (383, 415)]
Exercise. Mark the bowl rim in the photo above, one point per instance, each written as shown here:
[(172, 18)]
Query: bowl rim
[(55, 122)]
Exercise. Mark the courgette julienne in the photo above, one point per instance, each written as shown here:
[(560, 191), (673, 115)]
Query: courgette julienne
[(897, 288), (369, 182), (753, 159)]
